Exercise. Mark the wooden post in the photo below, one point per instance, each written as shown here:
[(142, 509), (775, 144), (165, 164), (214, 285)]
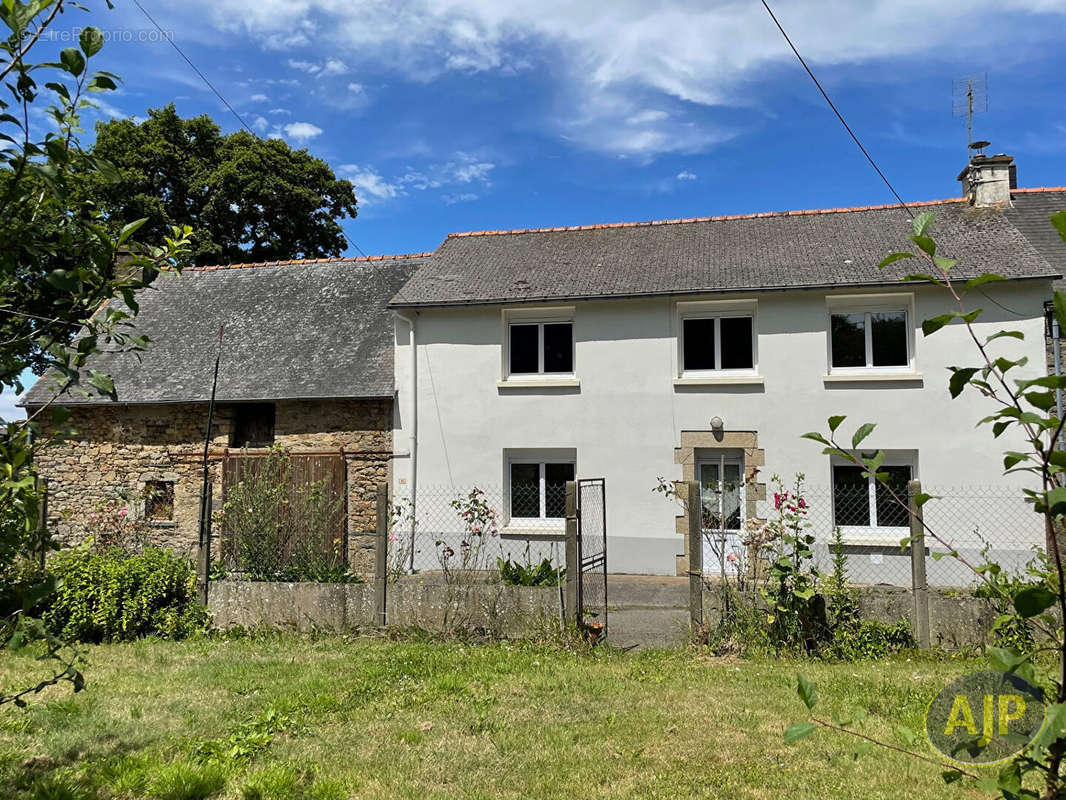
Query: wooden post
[(42, 520), (695, 555), (573, 556), (919, 586), (381, 553), (203, 561)]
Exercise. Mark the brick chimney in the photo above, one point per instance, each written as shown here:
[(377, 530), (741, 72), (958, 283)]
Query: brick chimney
[(987, 180)]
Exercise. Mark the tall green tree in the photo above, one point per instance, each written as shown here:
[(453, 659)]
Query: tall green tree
[(245, 198)]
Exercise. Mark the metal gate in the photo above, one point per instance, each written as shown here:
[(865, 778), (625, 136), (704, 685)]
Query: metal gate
[(592, 556)]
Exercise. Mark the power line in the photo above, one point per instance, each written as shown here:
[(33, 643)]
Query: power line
[(218, 94), (840, 116), (903, 206)]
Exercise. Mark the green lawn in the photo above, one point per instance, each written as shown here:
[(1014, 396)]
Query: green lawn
[(346, 717)]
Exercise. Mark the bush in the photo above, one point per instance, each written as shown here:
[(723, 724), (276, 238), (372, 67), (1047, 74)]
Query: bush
[(113, 596), (515, 573), (868, 638)]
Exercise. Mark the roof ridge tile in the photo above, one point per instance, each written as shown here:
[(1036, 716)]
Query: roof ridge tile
[(722, 217), (297, 261)]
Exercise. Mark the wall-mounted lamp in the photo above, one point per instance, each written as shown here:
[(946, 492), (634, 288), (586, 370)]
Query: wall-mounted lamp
[(717, 425)]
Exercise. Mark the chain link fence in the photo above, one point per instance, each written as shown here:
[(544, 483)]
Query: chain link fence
[(479, 533), (979, 524)]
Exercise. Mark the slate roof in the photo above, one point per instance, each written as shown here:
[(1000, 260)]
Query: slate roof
[(1030, 215), (294, 330), (777, 250)]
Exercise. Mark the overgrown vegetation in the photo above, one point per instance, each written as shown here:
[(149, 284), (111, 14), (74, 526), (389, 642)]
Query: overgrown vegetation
[(277, 528), (527, 573), (113, 595)]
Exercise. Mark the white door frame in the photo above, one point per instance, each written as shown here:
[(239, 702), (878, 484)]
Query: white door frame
[(711, 563)]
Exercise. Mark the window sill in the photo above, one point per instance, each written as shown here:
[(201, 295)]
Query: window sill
[(874, 537), (535, 531), (872, 376), (724, 380), (539, 383)]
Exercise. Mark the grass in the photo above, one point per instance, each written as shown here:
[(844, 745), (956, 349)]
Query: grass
[(277, 718)]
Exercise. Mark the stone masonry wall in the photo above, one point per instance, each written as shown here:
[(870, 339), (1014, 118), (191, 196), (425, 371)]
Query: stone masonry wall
[(117, 449)]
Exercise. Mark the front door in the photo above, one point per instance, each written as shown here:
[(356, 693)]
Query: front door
[(721, 497)]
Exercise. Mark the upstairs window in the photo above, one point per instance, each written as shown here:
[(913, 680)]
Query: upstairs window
[(871, 339), (717, 343), (541, 348), (253, 425)]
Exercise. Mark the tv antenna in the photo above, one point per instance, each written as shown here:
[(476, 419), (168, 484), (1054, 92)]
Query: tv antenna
[(969, 96)]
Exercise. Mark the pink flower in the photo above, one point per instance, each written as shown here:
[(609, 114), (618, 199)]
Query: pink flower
[(731, 557), (122, 512)]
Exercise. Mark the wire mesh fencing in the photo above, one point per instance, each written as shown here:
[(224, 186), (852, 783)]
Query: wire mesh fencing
[(866, 525)]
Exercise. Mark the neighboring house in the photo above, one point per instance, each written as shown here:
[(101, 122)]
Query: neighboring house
[(307, 364), (701, 349)]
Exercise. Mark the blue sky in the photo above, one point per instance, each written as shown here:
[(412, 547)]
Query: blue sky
[(453, 115)]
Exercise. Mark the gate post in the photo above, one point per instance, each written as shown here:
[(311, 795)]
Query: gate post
[(695, 554), (42, 520), (573, 556), (919, 585), (381, 553), (203, 561)]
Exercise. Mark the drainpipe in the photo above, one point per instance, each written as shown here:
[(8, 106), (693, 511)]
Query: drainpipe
[(1053, 322), (413, 431)]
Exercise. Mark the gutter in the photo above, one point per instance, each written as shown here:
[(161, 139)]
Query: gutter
[(413, 430)]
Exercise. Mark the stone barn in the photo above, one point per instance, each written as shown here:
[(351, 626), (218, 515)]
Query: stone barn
[(306, 365)]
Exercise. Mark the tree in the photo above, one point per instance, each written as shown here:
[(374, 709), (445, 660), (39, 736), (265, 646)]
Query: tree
[(59, 266), (245, 198)]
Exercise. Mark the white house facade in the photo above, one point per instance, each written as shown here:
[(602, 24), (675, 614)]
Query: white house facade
[(703, 350)]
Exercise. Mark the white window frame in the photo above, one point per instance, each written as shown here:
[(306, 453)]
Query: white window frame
[(539, 317), (867, 305), (717, 310), (541, 458), (873, 534)]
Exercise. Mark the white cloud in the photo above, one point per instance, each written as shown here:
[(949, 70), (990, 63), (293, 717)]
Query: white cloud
[(333, 66), (356, 88), (260, 124), (370, 187), (258, 98), (301, 131), (461, 197), (280, 111), (670, 53), (685, 175)]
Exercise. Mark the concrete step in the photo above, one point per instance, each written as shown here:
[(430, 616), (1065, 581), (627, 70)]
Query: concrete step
[(646, 591), (647, 627)]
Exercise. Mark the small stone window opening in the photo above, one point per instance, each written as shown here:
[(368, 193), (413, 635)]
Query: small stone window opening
[(253, 425), (159, 501)]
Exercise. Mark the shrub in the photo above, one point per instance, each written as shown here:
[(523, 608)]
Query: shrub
[(515, 573), (112, 596), (868, 638)]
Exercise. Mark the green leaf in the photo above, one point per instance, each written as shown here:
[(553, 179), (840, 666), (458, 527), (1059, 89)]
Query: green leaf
[(799, 730), (1033, 600), (101, 83), (91, 41), (893, 257), (807, 691), (1058, 221), (960, 377), (1001, 334), (1056, 501), (1060, 308), (951, 776), (983, 278), (1011, 458), (864, 430), (927, 245), (933, 324), (834, 422), (815, 437), (921, 223), (944, 263), (72, 61), (128, 230), (103, 382)]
